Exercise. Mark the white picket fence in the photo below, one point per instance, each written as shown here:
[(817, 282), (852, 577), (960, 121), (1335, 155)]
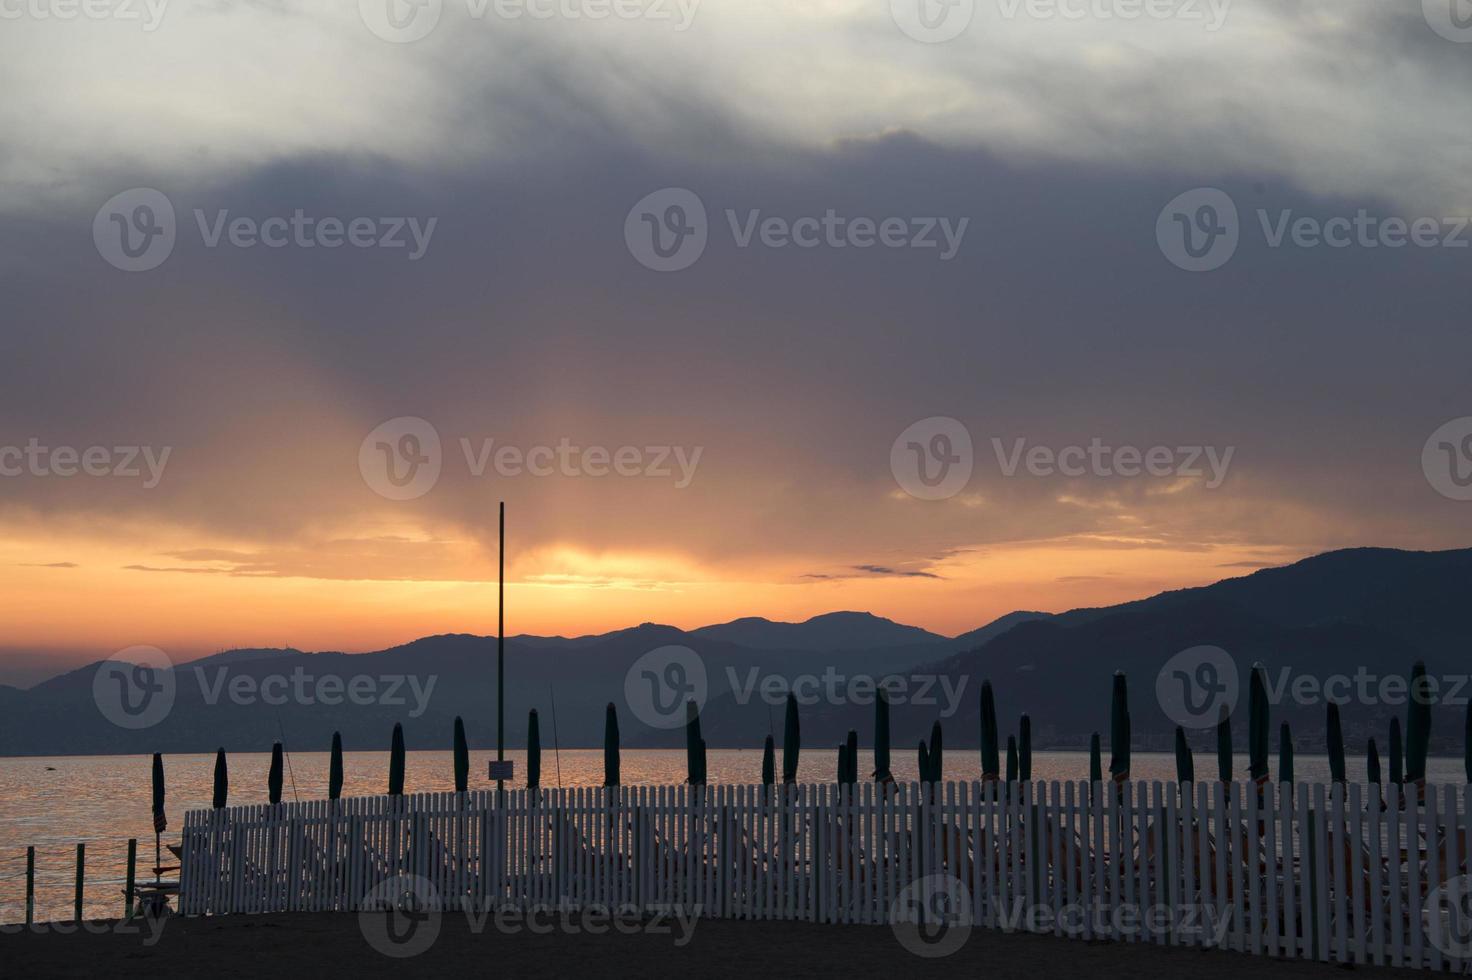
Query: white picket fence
[(1306, 871)]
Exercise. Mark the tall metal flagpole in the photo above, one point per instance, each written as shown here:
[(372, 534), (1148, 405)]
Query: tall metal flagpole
[(501, 648)]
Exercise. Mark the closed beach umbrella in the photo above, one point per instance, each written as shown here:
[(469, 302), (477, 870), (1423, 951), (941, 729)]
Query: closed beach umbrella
[(881, 737), (610, 746), (1224, 746), (1418, 726), (1285, 754), (222, 781), (462, 757), (791, 741), (1185, 764), (937, 763), (1096, 760), (851, 745), (396, 762), (334, 769), (275, 775), (991, 767), (1397, 754), (1334, 739), (1011, 759), (1024, 749), (769, 762), (160, 820), (1372, 764), (924, 756), (694, 746), (533, 750), (1257, 725), (1119, 730)]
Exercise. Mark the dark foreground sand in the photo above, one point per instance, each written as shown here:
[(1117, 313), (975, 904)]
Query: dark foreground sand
[(333, 944)]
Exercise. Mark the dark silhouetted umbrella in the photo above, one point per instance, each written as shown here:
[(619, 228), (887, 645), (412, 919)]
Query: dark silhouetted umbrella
[(1224, 746), (937, 760), (396, 762), (334, 769), (791, 741), (533, 751), (1024, 748), (462, 757), (1334, 737), (1257, 725), (1397, 754), (1185, 763), (160, 819), (991, 767), (1011, 759), (1418, 727), (1096, 759), (275, 775), (924, 761), (1285, 754), (610, 746), (881, 737), (769, 762), (222, 781), (1119, 729), (1372, 764), (694, 746)]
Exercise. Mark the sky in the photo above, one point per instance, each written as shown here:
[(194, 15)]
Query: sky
[(238, 428)]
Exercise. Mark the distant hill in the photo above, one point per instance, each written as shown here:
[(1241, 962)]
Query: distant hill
[(829, 632), (1374, 610)]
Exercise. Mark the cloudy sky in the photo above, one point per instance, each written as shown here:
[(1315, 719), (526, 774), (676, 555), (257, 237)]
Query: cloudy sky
[(1112, 232)]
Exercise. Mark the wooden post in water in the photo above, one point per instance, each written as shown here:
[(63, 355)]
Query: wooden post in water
[(81, 866), (30, 885), (132, 864)]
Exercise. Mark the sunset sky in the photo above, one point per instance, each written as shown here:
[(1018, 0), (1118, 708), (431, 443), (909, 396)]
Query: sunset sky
[(529, 321)]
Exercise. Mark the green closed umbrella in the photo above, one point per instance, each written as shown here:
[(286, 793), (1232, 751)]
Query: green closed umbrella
[(881, 738), (276, 774), (610, 746), (937, 765), (396, 762), (1185, 764), (1397, 754), (990, 764), (1257, 725), (1285, 754), (791, 741), (769, 762), (1372, 764), (334, 769), (694, 746), (1418, 726), (1224, 746), (462, 757), (1119, 730), (1011, 759), (160, 819), (222, 781), (1024, 749), (1334, 737), (1096, 760), (533, 751)]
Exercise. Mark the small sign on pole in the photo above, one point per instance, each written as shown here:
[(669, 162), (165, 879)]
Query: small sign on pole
[(503, 770)]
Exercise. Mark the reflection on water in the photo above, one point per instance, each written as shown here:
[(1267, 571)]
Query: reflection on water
[(52, 804)]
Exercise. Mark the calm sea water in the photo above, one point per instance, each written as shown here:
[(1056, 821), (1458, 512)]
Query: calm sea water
[(54, 803)]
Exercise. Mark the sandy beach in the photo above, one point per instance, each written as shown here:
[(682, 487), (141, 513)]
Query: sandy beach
[(335, 944)]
